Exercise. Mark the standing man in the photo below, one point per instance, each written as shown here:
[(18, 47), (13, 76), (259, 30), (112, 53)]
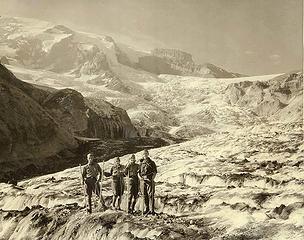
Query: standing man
[(117, 173), (131, 172), (147, 173), (91, 176)]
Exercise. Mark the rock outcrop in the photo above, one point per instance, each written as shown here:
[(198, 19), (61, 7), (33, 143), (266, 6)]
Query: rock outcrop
[(177, 62), (28, 133), (88, 118), (280, 98), (38, 125), (157, 65), (4, 60)]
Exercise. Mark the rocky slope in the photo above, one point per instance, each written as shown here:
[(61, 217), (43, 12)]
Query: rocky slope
[(88, 117), (29, 134), (173, 61), (38, 125), (280, 98)]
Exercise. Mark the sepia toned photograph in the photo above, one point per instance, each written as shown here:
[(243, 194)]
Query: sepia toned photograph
[(151, 120)]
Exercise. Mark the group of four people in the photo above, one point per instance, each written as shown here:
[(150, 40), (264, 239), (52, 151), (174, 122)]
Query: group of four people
[(138, 177)]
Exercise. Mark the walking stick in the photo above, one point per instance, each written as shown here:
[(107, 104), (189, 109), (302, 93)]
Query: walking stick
[(83, 187), (121, 189), (102, 173), (153, 195), (100, 191), (120, 176), (142, 183)]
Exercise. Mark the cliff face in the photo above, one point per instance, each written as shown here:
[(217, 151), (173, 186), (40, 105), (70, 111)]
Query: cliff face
[(176, 62), (157, 65), (28, 133), (167, 61), (280, 98), (38, 126), (179, 60), (88, 117)]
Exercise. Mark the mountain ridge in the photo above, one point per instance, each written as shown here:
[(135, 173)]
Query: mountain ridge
[(44, 38)]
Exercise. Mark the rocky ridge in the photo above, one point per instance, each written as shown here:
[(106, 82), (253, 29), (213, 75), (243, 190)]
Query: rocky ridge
[(38, 126), (177, 62)]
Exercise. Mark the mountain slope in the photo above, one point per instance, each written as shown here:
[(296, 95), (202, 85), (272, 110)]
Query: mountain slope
[(88, 118), (38, 126), (28, 133), (43, 45)]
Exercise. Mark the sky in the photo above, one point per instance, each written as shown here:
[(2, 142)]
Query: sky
[(247, 36)]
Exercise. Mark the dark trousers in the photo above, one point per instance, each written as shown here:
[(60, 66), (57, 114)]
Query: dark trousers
[(133, 189), (118, 186), (92, 185), (148, 192)]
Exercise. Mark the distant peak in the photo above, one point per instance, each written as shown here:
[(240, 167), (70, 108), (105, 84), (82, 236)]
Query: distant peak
[(23, 19), (109, 39), (59, 29), (172, 53)]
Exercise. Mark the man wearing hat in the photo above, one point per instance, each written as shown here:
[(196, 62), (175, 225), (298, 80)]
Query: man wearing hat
[(131, 173), (91, 176), (147, 173)]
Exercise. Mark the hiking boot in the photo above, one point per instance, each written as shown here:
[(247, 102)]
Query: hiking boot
[(150, 213), (102, 208), (89, 210)]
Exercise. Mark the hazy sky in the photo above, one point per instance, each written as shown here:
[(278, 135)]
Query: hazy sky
[(246, 36)]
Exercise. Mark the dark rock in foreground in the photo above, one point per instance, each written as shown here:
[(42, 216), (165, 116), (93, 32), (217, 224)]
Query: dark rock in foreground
[(38, 127), (27, 131)]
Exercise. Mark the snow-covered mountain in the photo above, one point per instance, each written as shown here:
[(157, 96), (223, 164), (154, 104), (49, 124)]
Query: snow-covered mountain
[(40, 44), (158, 104)]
